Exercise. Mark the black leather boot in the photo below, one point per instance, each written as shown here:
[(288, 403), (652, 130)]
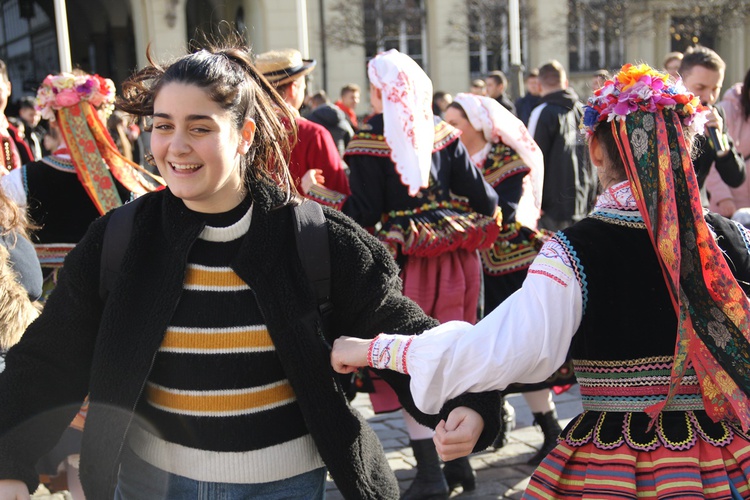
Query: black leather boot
[(508, 423), (551, 430), (429, 483), (458, 472)]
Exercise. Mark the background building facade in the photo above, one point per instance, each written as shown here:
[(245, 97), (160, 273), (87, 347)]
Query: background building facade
[(454, 40)]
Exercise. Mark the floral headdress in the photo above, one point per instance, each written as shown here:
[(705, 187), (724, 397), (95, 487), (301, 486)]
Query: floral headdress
[(647, 115), (642, 88), (66, 89), (75, 103)]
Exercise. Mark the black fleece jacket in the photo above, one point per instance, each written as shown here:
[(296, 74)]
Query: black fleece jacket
[(568, 181), (79, 345)]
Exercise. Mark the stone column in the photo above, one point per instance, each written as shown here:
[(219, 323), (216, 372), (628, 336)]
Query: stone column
[(162, 24), (448, 62), (733, 48), (548, 32)]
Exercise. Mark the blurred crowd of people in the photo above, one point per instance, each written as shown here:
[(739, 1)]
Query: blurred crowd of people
[(438, 206)]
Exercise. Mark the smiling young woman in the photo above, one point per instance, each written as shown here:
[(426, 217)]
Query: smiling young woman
[(203, 367)]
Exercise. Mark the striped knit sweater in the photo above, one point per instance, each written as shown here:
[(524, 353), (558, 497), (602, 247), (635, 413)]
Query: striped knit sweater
[(217, 404)]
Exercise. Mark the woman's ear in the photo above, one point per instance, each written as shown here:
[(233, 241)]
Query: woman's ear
[(596, 151), (247, 136)]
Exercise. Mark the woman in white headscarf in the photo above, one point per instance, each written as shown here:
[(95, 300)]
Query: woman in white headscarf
[(405, 169), (512, 163)]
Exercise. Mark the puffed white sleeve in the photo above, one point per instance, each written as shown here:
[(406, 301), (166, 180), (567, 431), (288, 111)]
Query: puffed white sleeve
[(13, 186), (524, 340)]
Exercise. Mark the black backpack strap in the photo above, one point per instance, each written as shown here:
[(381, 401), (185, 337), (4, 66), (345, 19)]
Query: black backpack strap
[(116, 238), (311, 231)]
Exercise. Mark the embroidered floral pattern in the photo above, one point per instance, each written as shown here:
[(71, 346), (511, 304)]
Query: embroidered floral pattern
[(640, 142), (696, 271)]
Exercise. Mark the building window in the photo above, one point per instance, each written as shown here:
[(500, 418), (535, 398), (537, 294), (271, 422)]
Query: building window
[(488, 37), (488, 33), (396, 24), (700, 28), (596, 35)]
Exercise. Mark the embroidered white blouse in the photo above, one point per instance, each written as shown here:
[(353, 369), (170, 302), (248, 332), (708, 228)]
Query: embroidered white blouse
[(525, 339)]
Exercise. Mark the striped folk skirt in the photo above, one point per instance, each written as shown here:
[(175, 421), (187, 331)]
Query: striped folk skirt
[(613, 455)]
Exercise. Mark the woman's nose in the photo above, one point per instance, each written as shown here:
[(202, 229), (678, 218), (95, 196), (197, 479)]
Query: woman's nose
[(179, 143)]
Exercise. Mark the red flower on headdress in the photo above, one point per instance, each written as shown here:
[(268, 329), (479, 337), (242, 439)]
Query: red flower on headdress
[(67, 97)]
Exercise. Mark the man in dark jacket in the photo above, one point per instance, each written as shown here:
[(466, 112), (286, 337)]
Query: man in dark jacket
[(702, 71), (569, 182), (497, 82), (526, 104), (332, 118)]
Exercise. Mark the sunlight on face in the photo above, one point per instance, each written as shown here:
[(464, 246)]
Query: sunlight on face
[(455, 118), (705, 83), (196, 148)]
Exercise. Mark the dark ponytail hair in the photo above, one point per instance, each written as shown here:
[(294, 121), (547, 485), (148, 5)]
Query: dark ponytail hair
[(229, 78)]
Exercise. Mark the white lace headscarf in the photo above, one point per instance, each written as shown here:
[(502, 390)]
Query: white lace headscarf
[(500, 125), (408, 123)]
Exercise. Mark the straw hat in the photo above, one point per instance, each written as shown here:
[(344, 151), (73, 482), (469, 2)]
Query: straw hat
[(283, 66)]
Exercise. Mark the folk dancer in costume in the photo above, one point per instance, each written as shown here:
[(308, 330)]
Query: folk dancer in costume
[(314, 155), (85, 177), (649, 293), (14, 151), (404, 172), (513, 164), (64, 192)]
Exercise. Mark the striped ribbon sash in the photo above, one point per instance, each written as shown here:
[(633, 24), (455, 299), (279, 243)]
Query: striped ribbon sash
[(634, 385)]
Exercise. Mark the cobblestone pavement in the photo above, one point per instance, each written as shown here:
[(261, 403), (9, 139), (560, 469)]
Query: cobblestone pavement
[(501, 473)]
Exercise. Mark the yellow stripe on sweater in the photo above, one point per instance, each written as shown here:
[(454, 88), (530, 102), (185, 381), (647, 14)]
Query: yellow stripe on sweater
[(212, 278), (220, 403), (217, 340)]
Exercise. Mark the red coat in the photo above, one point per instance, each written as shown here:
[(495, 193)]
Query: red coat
[(315, 149)]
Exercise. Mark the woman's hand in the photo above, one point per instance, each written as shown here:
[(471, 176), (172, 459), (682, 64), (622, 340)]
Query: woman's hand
[(457, 437), (11, 489), (311, 177), (349, 353)]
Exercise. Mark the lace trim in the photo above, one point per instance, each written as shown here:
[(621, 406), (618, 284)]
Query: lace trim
[(677, 431), (619, 219), (59, 163), (577, 266)]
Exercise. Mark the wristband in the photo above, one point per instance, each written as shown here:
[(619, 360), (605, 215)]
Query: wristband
[(388, 352)]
